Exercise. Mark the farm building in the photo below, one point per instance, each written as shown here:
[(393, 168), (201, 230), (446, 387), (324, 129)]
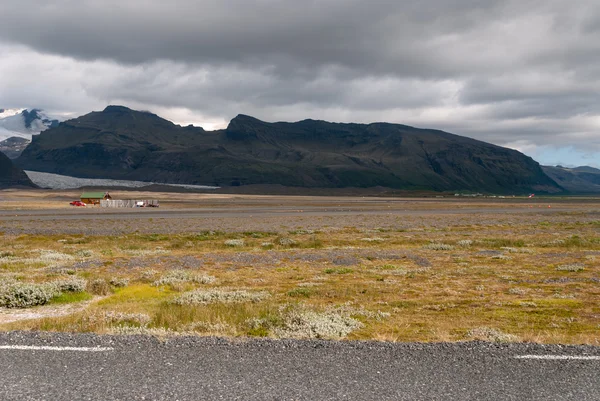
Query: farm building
[(94, 198), (129, 203)]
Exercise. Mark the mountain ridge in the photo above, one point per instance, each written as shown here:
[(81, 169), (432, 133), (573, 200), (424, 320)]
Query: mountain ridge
[(12, 176), (121, 143), (580, 180)]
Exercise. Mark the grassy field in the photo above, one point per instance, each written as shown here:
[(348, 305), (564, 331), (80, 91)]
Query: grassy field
[(501, 277)]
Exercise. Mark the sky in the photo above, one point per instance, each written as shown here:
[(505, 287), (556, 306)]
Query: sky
[(523, 74)]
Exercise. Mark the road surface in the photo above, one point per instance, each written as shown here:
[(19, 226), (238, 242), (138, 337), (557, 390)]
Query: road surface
[(36, 366)]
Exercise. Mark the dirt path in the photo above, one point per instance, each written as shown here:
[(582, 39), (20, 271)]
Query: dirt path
[(9, 315)]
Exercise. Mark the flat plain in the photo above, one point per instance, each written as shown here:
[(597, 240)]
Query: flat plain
[(369, 268)]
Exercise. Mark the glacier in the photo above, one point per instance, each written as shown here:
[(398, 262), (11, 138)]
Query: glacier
[(57, 181)]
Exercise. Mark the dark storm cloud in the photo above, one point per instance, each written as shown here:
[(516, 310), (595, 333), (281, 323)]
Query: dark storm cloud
[(507, 71), (383, 36)]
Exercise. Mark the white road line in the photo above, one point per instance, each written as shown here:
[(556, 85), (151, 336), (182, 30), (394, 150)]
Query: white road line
[(560, 357), (49, 348)]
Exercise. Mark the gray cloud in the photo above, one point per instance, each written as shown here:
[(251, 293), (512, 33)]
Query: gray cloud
[(518, 72), (396, 37)]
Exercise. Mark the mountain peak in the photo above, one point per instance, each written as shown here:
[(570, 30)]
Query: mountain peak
[(246, 118), (31, 116), (112, 110), (24, 123), (116, 109), (243, 126)]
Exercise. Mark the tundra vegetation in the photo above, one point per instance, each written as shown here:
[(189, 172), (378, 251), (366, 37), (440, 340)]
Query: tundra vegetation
[(533, 277)]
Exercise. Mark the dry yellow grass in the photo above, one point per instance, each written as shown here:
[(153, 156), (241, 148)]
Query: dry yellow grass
[(506, 280)]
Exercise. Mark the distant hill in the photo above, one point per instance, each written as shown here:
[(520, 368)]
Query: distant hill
[(11, 176), (586, 169), (13, 146), (120, 143), (582, 180)]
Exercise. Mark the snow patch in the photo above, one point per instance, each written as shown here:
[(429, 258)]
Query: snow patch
[(9, 112), (12, 123)]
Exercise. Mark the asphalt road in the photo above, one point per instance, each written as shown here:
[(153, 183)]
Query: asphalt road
[(37, 366)]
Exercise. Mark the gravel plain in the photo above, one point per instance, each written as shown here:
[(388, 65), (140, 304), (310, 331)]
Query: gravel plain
[(275, 218)]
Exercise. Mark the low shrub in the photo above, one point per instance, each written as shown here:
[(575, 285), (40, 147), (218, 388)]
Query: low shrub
[(126, 319), (99, 287), (286, 242), (573, 267), (331, 324), (119, 282), (84, 253), (199, 297), (501, 257), (53, 257), (491, 335), (436, 246), (71, 284), (234, 242), (148, 275), (373, 239), (181, 276), (511, 249), (25, 295), (15, 294)]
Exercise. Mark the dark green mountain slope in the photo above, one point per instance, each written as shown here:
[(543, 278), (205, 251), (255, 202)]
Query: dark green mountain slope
[(11, 176), (126, 144), (581, 180)]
